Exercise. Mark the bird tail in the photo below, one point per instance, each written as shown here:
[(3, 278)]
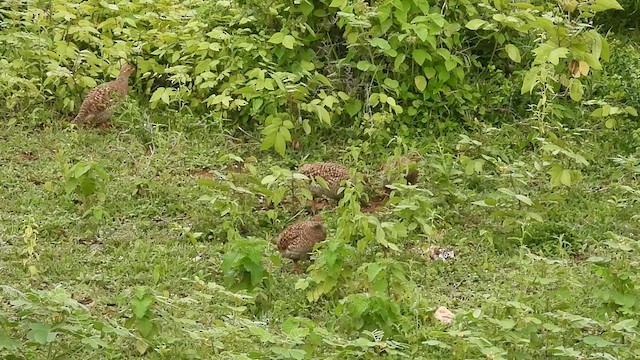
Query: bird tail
[(79, 118)]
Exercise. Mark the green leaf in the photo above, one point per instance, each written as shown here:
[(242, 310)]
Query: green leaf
[(391, 83), (381, 43), (556, 54), (141, 306), (145, 327), (306, 126), (279, 145), (288, 41), (530, 81), (8, 343), (628, 325), (353, 107), (41, 333), (475, 24), (596, 341), (513, 52), (576, 91), (610, 123), (524, 199), (603, 5), (268, 180), (423, 33), (261, 333), (373, 270), (631, 111), (323, 114), (485, 202), (276, 38), (421, 82), (565, 178), (450, 65), (268, 141), (626, 300), (506, 324), (429, 72), (363, 65), (420, 55)]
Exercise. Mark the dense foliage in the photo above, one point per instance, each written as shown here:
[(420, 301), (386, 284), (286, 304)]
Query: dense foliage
[(523, 115)]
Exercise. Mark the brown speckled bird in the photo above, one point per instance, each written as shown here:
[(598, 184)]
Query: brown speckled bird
[(296, 241), (101, 101), (332, 174), (397, 166)]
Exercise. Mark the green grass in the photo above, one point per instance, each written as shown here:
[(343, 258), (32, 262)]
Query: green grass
[(501, 261)]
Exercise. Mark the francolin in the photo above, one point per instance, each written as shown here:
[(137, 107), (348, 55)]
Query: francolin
[(332, 174), (297, 241), (99, 104)]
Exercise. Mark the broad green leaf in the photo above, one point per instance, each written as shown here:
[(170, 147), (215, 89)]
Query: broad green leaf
[(391, 83), (268, 180), (596, 341), (423, 33), (576, 91), (8, 343), (530, 81), (156, 95), (631, 111), (363, 65), (373, 270), (381, 43), (288, 41), (524, 199), (513, 52), (145, 326), (626, 300), (450, 64), (486, 202), (353, 107), (323, 114), (429, 72), (565, 178), (475, 24), (420, 55), (41, 333), (421, 82), (268, 141), (603, 5), (610, 123), (276, 38), (279, 145), (141, 306), (306, 126), (556, 54)]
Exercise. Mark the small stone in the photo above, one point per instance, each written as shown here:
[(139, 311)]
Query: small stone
[(444, 315)]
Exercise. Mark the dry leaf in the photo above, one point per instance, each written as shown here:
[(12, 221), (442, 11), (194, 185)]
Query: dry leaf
[(574, 68), (444, 315), (583, 67)]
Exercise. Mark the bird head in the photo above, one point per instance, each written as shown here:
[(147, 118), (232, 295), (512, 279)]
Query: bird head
[(127, 69)]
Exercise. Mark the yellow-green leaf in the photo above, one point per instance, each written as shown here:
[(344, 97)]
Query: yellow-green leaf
[(475, 24), (288, 41), (556, 54), (421, 82), (513, 52), (576, 91)]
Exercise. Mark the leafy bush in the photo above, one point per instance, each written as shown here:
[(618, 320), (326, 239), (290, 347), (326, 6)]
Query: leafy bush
[(291, 67)]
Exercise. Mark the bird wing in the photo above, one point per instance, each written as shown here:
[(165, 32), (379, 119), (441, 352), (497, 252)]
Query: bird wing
[(101, 98), (288, 237)]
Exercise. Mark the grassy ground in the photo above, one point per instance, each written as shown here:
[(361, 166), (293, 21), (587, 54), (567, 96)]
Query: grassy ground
[(509, 265)]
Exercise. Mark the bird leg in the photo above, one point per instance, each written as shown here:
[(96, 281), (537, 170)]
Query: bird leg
[(297, 268)]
